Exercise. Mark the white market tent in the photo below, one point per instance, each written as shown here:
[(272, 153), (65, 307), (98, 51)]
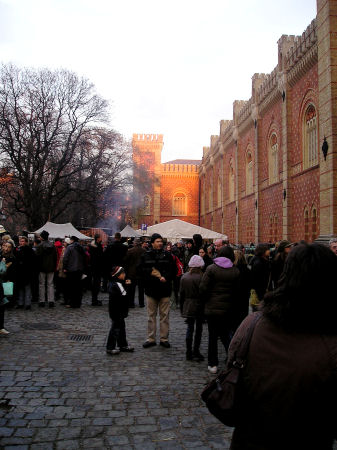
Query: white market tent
[(175, 229), (61, 230), (130, 232)]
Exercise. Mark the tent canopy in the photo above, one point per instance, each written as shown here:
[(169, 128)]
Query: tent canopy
[(130, 232), (61, 230), (176, 229)]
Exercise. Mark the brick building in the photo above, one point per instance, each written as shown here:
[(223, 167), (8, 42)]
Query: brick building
[(164, 191), (265, 176)]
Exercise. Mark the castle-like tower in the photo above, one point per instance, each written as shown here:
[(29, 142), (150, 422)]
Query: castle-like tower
[(164, 191)]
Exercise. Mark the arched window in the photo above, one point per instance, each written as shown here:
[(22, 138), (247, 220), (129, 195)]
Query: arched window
[(231, 181), (219, 193), (249, 173), (179, 205), (147, 205), (306, 225), (310, 157), (313, 223), (273, 159)]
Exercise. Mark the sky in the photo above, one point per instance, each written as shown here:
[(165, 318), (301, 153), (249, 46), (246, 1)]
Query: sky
[(172, 67)]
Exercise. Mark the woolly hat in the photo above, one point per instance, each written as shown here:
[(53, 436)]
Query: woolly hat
[(155, 236), (196, 261), (116, 270), (44, 235), (282, 245)]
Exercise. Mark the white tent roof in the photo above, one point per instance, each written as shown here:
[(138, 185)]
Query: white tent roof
[(130, 232), (61, 230), (176, 229)]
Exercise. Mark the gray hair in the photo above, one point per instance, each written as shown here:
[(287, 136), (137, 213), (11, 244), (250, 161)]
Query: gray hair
[(332, 241)]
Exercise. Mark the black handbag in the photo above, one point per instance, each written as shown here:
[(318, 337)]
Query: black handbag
[(222, 395)]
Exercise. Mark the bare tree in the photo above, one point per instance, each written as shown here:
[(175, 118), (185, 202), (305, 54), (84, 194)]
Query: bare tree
[(48, 121)]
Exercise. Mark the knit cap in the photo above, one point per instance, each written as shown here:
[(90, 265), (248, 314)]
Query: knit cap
[(196, 261), (116, 270)]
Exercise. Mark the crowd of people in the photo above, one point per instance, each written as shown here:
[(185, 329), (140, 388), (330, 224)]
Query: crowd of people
[(294, 346)]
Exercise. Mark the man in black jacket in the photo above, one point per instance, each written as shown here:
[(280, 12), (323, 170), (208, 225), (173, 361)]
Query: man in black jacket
[(73, 266), (96, 267), (158, 268)]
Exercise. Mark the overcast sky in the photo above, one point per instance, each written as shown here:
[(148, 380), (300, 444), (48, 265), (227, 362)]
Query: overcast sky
[(167, 66)]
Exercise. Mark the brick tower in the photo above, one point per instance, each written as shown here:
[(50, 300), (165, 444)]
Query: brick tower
[(147, 150)]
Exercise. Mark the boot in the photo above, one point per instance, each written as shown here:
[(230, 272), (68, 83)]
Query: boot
[(197, 356), (189, 354)]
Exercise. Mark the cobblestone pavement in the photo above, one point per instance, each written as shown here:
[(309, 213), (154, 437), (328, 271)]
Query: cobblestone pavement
[(60, 390)]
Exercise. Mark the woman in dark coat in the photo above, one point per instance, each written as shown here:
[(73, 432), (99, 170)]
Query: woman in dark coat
[(244, 285), (207, 259), (219, 289), (192, 307), (289, 390), (261, 272)]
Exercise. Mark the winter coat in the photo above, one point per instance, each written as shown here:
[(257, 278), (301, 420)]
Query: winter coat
[(244, 291), (219, 288), (260, 275), (47, 257), (25, 263), (58, 246), (11, 272), (96, 257), (289, 390), (74, 258), (190, 296), (131, 261), (164, 263), (118, 303), (114, 255)]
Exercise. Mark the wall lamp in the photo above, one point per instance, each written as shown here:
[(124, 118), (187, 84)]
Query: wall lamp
[(325, 148)]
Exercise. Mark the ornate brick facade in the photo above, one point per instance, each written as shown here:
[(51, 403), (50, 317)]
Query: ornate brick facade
[(264, 177), (276, 183)]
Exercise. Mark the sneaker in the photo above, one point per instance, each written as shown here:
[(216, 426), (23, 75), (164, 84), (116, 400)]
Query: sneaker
[(148, 344), (212, 369), (19, 307), (114, 351), (3, 331), (189, 356), (127, 349), (51, 304), (28, 307), (42, 304), (165, 344)]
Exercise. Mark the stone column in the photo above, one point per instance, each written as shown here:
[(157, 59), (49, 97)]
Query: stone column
[(327, 83)]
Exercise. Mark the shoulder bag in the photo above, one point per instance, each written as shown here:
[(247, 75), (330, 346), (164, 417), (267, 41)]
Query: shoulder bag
[(222, 394)]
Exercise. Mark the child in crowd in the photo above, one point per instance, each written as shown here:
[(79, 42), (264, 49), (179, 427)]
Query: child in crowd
[(118, 311)]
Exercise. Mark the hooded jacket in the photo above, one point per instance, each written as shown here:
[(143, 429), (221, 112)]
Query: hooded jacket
[(219, 287)]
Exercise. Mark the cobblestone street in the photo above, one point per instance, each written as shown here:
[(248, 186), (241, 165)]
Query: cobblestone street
[(60, 390)]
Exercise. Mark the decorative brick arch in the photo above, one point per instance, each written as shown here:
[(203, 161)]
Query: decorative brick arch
[(180, 202), (249, 166), (273, 152)]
